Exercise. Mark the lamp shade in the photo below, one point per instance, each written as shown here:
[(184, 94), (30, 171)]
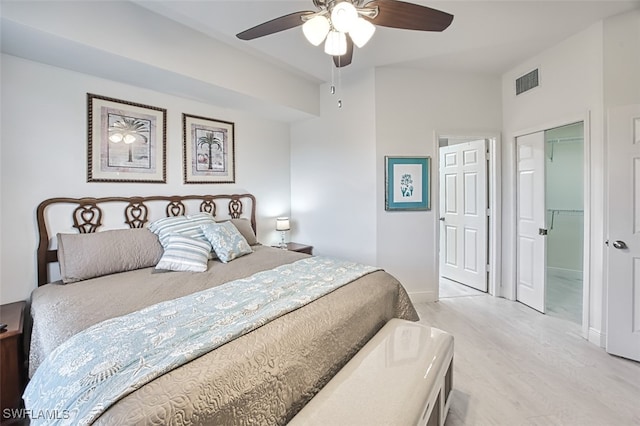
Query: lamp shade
[(361, 32), (282, 224), (343, 16), (316, 29), (336, 44)]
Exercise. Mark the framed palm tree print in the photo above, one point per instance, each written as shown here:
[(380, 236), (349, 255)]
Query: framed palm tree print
[(209, 150), (126, 141)]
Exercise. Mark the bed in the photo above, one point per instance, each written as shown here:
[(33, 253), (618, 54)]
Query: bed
[(263, 376)]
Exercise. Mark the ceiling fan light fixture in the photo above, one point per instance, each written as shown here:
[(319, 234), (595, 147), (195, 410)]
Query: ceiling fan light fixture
[(336, 44), (316, 29), (343, 16), (361, 32), (334, 19)]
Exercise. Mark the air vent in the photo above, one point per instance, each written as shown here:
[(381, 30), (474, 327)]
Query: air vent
[(527, 82)]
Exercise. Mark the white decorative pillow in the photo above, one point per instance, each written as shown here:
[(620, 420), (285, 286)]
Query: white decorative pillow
[(183, 253), (84, 256), (226, 240), (189, 225)]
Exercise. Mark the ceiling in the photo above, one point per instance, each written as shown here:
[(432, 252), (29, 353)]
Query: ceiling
[(488, 37)]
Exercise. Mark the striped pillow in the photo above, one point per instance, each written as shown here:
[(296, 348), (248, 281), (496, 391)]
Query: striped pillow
[(189, 225), (183, 253)]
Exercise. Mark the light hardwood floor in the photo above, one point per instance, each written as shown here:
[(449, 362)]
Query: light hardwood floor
[(515, 366), (564, 294)]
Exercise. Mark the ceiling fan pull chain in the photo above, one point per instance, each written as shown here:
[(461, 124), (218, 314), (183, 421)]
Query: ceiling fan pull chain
[(340, 87), (332, 89)]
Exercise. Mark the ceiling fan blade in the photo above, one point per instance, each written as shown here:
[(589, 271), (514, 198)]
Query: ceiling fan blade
[(282, 23), (344, 60), (409, 16)]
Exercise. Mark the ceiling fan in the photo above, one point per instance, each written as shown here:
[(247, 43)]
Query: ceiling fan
[(343, 23)]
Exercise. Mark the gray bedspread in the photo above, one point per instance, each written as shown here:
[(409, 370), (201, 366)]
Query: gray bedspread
[(264, 377)]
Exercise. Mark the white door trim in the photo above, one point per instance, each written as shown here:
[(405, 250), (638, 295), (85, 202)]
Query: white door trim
[(495, 202), (495, 220), (586, 250), (510, 292)]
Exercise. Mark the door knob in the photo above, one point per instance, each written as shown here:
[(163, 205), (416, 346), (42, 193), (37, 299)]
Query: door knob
[(442, 219), (620, 245), (542, 231)]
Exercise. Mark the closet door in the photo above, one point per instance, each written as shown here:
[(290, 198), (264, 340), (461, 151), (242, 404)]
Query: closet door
[(531, 242)]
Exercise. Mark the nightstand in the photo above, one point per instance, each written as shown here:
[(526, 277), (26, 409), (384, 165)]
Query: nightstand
[(300, 248), (12, 377)]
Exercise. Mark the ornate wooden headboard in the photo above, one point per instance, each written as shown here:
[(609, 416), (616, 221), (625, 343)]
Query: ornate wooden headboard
[(88, 215)]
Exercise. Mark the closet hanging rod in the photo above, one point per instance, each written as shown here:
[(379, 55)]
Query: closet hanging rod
[(569, 212), (573, 139), (565, 211), (560, 140)]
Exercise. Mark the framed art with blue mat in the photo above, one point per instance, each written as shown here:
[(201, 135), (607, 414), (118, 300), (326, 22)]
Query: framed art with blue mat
[(407, 183)]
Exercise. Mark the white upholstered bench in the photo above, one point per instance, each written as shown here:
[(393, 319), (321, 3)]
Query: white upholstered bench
[(402, 376)]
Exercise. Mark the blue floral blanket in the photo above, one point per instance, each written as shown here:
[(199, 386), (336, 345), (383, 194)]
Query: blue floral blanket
[(102, 364)]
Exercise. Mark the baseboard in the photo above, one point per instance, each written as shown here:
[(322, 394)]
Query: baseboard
[(596, 337), (423, 296)]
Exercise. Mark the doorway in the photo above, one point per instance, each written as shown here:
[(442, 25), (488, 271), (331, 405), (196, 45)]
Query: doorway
[(565, 221), (469, 213), (550, 221)]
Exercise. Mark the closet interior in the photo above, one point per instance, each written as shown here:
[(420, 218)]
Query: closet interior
[(564, 174)]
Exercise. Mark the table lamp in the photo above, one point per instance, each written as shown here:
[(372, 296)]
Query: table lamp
[(282, 225)]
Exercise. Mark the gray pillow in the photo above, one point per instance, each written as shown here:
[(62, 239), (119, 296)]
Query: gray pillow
[(244, 226), (84, 256)]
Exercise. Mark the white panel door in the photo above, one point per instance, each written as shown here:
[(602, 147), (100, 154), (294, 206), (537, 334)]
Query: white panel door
[(463, 213), (623, 252), (531, 244)]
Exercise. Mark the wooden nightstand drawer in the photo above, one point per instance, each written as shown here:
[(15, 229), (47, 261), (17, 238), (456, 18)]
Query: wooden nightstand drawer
[(12, 377), (300, 248)]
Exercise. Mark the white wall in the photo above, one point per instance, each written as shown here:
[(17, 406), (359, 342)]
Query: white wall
[(125, 42), (43, 149), (333, 168), (622, 59), (571, 89), (337, 171), (411, 106), (580, 77)]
